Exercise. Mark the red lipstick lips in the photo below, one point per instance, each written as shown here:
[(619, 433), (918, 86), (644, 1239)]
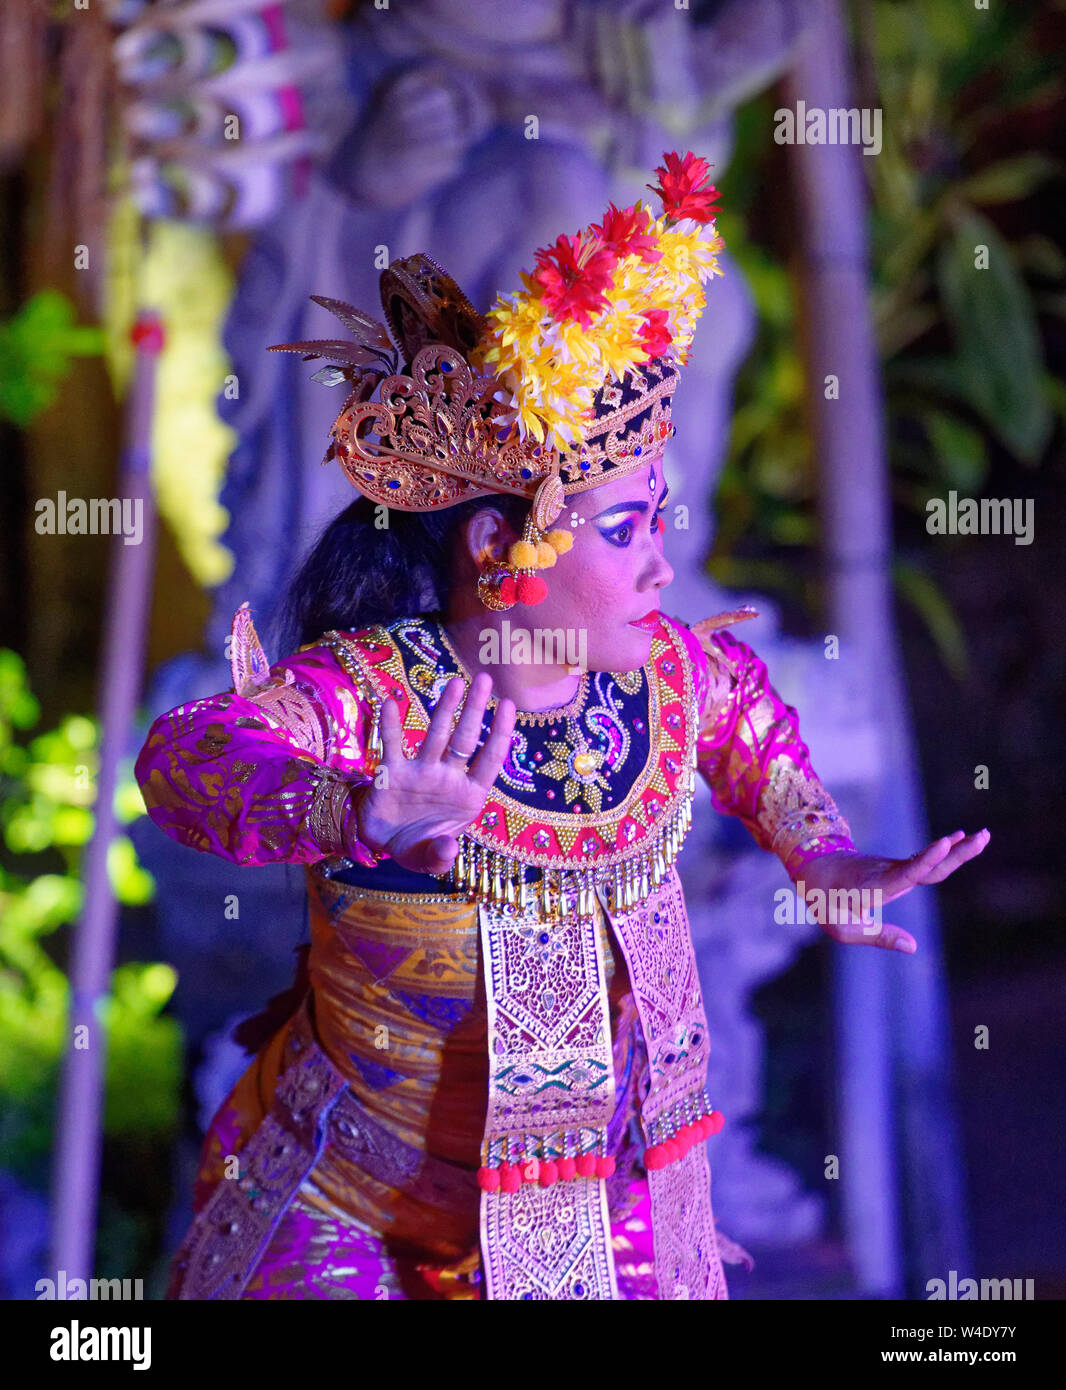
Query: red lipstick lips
[(648, 623)]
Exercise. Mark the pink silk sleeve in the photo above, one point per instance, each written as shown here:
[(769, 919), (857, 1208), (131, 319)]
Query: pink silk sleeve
[(752, 757), (263, 778)]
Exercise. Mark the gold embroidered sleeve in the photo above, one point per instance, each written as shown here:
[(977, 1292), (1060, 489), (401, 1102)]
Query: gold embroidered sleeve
[(757, 766)]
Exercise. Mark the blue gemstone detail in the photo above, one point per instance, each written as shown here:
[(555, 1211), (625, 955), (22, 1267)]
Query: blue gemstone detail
[(376, 1076), (435, 1009), (445, 366), (544, 938), (393, 483), (527, 472), (637, 449), (584, 466)]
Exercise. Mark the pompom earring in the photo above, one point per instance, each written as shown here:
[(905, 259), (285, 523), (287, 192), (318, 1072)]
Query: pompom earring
[(501, 585)]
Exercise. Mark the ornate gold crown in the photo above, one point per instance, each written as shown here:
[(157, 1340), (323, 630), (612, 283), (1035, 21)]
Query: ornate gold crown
[(557, 389), (432, 435)]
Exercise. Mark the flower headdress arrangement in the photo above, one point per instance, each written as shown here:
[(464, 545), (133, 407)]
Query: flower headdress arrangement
[(557, 388), (622, 292)]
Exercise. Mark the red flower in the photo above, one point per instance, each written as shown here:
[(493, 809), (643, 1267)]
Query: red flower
[(654, 332), (573, 275), (681, 188), (626, 233)]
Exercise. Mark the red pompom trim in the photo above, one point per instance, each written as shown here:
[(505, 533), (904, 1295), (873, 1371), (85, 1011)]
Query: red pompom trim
[(511, 1180), (655, 1158), (488, 1179), (508, 591), (531, 589), (586, 1165), (549, 1172), (716, 1120), (605, 1166), (567, 1169)]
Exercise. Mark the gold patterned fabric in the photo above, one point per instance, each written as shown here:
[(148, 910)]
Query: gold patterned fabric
[(398, 994)]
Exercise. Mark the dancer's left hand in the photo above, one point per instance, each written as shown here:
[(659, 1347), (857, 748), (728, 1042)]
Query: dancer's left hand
[(846, 871)]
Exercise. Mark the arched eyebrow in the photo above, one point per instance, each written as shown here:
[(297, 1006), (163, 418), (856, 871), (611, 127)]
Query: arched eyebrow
[(622, 507), (635, 506)]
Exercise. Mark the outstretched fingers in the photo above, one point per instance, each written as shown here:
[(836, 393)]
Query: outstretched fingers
[(440, 724), (963, 847), (486, 766), (391, 732), (467, 733), (932, 864), (888, 936)]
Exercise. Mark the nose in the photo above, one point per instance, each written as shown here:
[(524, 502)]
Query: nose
[(659, 573)]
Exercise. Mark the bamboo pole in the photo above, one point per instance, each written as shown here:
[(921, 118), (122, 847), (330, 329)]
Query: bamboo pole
[(895, 1104), (854, 506), (81, 1100)]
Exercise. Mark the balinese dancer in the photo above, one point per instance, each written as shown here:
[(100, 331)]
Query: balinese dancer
[(490, 1080)]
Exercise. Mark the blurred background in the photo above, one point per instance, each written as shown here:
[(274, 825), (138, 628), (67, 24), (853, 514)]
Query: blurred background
[(176, 179)]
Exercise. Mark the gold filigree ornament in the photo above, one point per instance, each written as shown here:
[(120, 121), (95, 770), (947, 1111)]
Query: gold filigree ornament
[(422, 429)]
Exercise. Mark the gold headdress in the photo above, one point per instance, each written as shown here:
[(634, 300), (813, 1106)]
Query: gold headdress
[(556, 389)]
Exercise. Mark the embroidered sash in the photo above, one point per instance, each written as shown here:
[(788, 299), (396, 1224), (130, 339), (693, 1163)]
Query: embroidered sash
[(551, 1092), (657, 944)]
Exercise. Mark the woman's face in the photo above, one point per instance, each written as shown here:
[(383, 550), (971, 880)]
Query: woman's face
[(613, 575)]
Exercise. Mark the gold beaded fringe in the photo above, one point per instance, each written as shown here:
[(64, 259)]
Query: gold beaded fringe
[(497, 877)]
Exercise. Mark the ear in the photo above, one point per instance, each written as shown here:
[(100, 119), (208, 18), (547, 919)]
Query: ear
[(488, 536)]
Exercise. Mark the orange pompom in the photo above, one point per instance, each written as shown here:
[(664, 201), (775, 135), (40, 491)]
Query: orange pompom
[(546, 556), (523, 555), (560, 541)]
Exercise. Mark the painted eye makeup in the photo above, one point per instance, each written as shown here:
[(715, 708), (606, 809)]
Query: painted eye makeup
[(620, 534)]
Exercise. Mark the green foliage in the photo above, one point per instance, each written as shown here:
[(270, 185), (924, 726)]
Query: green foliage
[(962, 357), (48, 790), (36, 348)]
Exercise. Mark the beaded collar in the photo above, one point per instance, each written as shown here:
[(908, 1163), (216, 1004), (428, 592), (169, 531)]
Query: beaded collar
[(595, 795)]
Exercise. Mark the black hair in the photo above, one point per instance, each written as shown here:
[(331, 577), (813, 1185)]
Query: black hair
[(358, 573)]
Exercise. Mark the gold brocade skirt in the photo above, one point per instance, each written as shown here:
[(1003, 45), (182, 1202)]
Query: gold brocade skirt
[(399, 1009)]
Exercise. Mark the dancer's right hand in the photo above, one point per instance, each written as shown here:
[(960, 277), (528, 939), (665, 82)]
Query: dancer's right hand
[(423, 803)]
